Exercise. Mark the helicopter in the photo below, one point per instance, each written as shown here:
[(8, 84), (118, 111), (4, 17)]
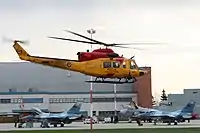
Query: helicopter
[(101, 68), (102, 52)]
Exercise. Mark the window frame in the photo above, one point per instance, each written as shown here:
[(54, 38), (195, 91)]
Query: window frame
[(104, 64), (114, 64)]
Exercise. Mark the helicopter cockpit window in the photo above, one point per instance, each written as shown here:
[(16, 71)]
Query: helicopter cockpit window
[(132, 65), (124, 64), (116, 64), (107, 64)]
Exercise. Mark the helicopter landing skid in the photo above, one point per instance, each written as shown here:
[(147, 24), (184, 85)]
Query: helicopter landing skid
[(110, 82)]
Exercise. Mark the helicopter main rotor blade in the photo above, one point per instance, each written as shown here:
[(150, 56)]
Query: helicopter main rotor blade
[(111, 44), (73, 40), (127, 47), (97, 42), (60, 38), (116, 44)]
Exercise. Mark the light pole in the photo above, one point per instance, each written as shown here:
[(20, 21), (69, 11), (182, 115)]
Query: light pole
[(91, 32), (115, 99)]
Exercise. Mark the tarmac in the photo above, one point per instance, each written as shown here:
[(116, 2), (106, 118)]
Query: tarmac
[(120, 125)]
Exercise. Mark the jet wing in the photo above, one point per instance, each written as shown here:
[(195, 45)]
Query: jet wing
[(74, 117), (161, 114), (60, 117)]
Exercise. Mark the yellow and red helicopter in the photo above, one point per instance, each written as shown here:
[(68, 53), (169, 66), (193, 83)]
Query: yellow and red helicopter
[(101, 68)]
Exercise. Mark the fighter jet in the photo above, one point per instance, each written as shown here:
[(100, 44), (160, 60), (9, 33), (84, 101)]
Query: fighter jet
[(186, 113), (66, 117), (133, 111), (158, 115)]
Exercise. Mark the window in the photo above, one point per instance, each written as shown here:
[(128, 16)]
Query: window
[(116, 64), (74, 100), (106, 113), (67, 100), (51, 100), (124, 99), (132, 65), (5, 101), (86, 100), (54, 100), (94, 113), (32, 100), (102, 99), (60, 100), (107, 64), (124, 64), (11, 100), (19, 100), (15, 100)]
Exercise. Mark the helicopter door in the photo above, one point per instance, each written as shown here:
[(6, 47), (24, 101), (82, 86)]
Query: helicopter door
[(115, 66), (108, 68)]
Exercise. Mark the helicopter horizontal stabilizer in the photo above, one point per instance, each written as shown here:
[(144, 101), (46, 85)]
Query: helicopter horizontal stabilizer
[(110, 82)]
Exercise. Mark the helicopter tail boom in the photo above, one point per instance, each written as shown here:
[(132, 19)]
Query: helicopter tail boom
[(72, 65)]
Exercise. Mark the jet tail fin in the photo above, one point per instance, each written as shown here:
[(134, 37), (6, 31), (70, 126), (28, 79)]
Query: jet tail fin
[(133, 104), (75, 108), (122, 106), (189, 108), (37, 110)]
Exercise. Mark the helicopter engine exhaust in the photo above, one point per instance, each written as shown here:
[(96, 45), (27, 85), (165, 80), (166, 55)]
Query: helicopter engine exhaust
[(113, 55), (79, 55)]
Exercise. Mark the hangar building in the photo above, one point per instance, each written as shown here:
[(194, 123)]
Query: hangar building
[(24, 84), (180, 100)]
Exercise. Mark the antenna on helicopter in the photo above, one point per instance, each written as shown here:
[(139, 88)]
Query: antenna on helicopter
[(132, 57)]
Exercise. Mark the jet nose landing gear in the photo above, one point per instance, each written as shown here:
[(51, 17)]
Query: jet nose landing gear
[(175, 123)]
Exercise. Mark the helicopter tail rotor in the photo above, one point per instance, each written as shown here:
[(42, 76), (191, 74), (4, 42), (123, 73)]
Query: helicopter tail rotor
[(7, 40), (19, 49)]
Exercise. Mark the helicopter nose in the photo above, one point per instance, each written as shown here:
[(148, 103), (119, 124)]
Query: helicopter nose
[(141, 72), (134, 73)]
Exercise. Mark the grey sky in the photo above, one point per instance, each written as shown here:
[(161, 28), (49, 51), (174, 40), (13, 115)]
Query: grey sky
[(174, 22)]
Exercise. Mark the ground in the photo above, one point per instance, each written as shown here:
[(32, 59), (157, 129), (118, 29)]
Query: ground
[(149, 130)]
